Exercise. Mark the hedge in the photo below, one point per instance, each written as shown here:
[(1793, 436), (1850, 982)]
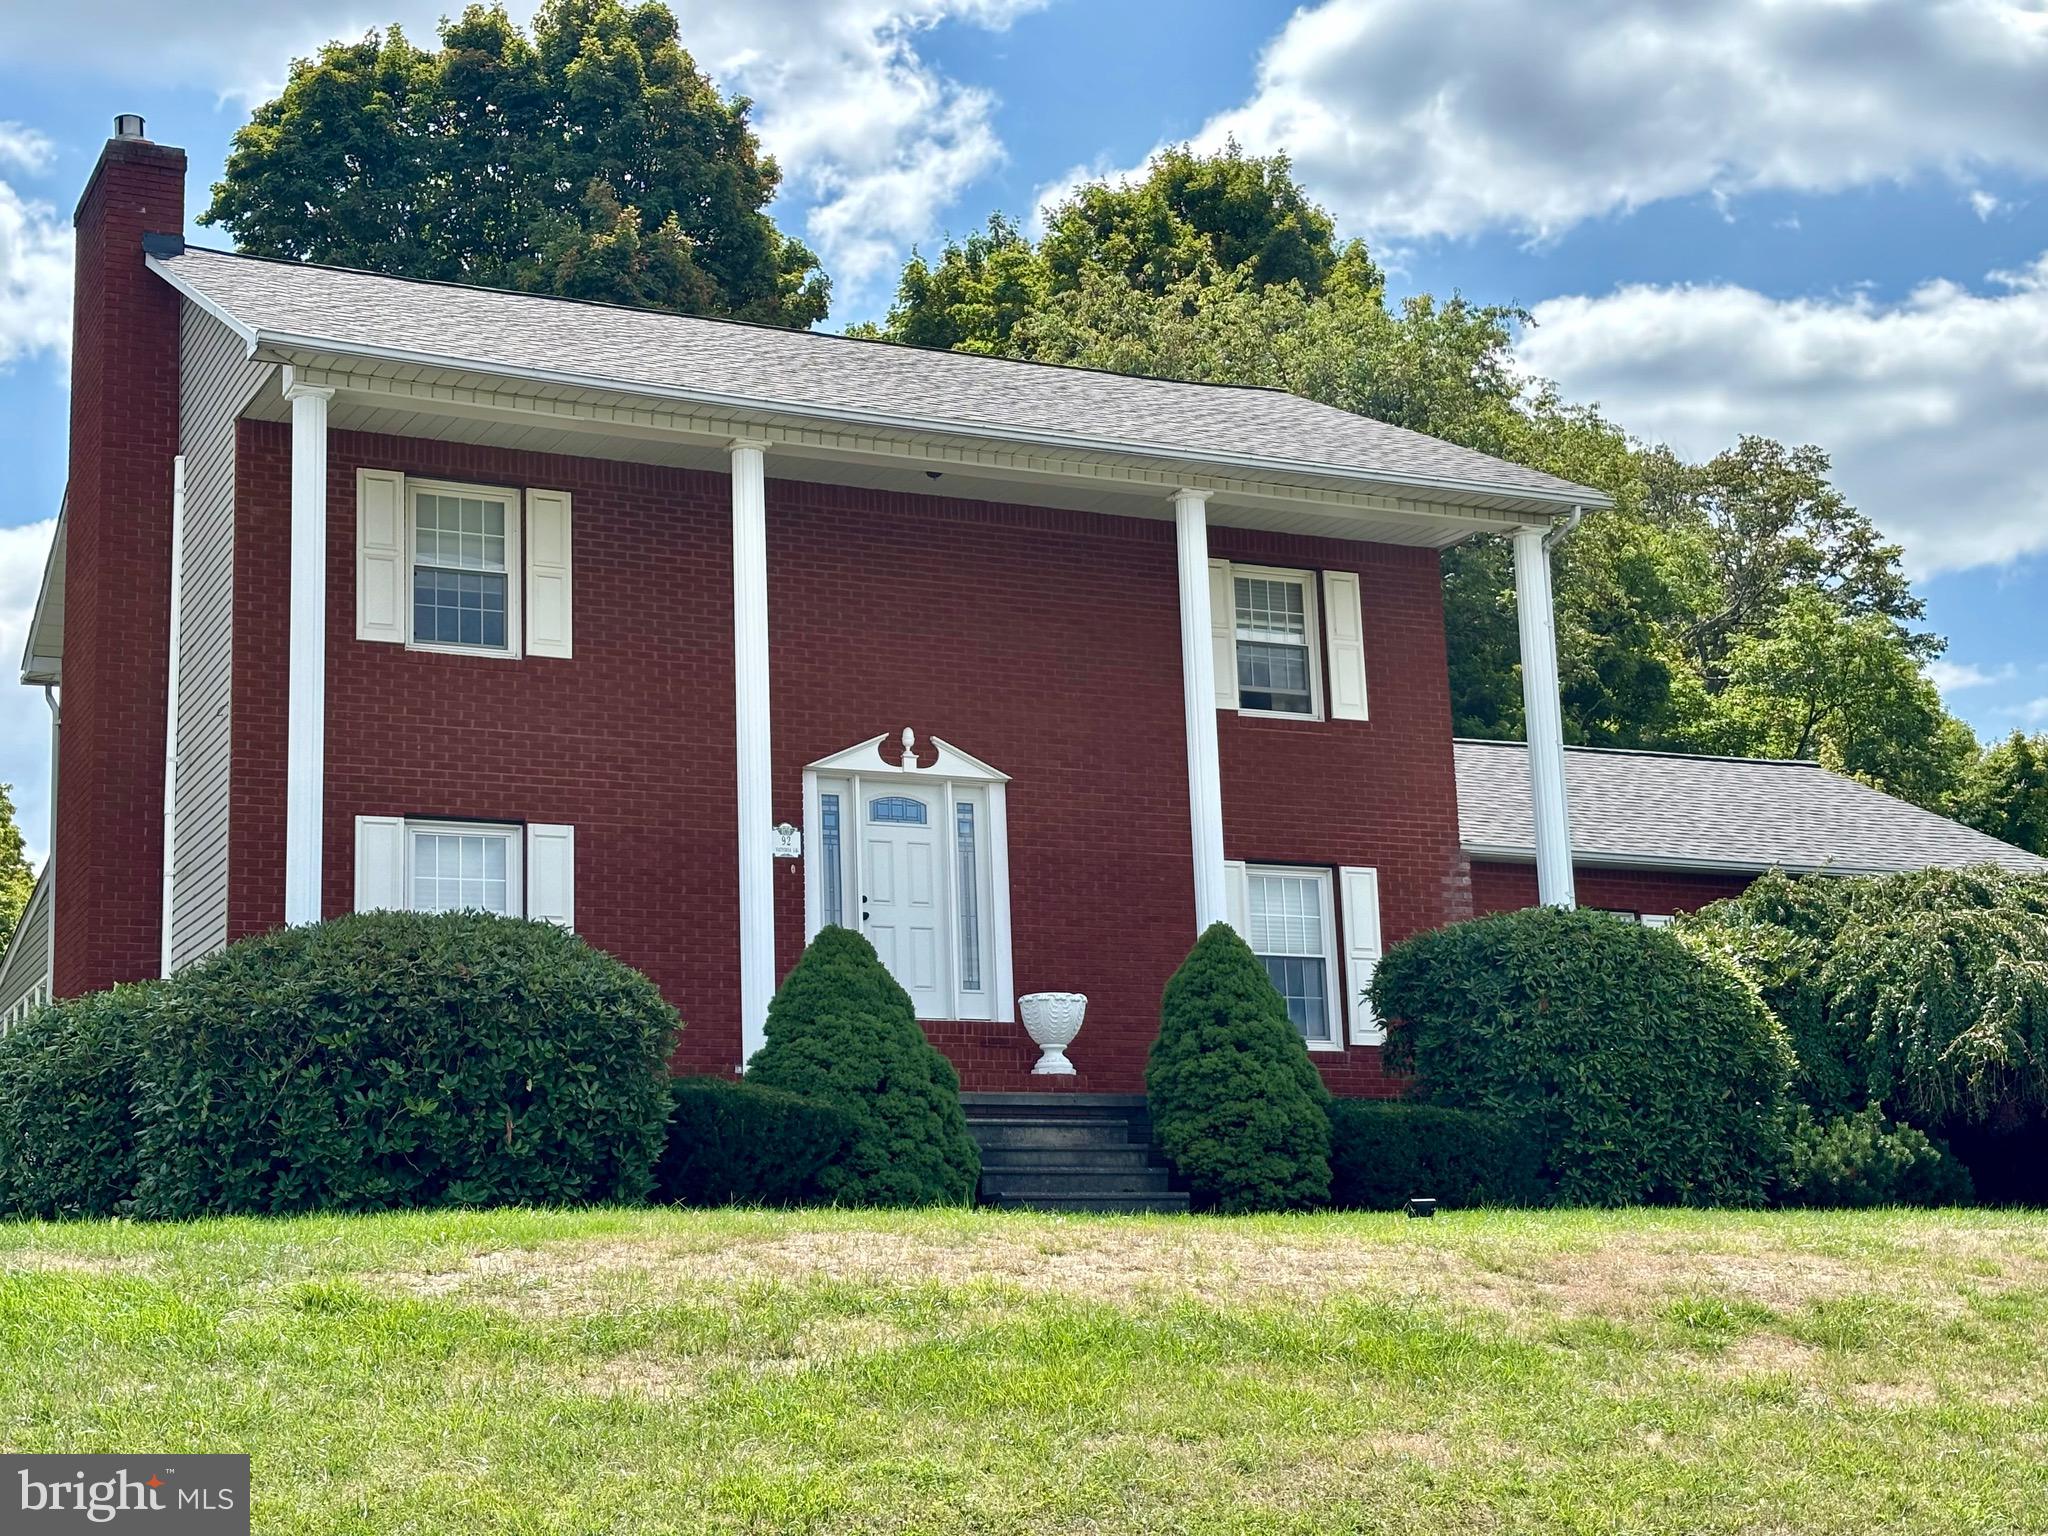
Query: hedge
[(841, 1029), (397, 1059), (67, 1121), (1865, 1160), (1642, 1070), (1382, 1153), (1236, 1105), (732, 1143)]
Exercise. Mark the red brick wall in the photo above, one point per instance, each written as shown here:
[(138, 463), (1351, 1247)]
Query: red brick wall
[(124, 435), (1045, 642), (1510, 887)]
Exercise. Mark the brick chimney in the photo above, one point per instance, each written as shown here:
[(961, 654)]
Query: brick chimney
[(124, 435)]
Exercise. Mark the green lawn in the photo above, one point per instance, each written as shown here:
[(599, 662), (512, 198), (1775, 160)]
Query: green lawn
[(656, 1371)]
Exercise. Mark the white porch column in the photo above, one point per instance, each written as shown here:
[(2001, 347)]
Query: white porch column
[(1198, 688), (751, 741), (306, 708), (1543, 718)]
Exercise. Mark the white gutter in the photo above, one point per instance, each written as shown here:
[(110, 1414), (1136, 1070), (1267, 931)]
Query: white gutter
[(257, 339)]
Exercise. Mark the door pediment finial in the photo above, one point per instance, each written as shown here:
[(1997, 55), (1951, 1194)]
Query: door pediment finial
[(909, 747)]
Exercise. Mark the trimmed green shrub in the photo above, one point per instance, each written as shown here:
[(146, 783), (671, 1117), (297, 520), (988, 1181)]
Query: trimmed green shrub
[(840, 1029), (1641, 1070), (1382, 1153), (1236, 1105), (67, 1105), (396, 1059), (1864, 1159), (742, 1144)]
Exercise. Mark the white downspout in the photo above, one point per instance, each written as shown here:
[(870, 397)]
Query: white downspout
[(171, 708)]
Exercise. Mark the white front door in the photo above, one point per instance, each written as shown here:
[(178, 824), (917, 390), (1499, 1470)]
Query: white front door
[(903, 896)]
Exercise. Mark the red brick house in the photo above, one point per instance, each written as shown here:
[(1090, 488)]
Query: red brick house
[(697, 636), (1654, 834)]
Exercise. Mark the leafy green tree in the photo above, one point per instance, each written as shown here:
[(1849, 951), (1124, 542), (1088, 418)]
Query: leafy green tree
[(1823, 683), (1189, 221), (592, 160), (17, 880), (2005, 792)]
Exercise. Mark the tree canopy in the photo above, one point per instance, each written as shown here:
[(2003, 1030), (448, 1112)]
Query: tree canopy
[(591, 160), (17, 880), (1736, 605)]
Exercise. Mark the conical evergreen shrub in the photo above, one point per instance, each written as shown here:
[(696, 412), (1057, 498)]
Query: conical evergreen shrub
[(1237, 1107), (841, 1029)]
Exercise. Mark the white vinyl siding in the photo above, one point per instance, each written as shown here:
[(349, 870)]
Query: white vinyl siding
[(216, 380)]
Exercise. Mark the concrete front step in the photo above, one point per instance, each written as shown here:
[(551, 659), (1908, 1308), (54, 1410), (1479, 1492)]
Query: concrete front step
[(989, 1134), (1047, 1159), (1008, 1184), (1068, 1152)]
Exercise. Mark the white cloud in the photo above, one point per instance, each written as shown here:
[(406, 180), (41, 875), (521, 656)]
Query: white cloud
[(23, 146), (873, 137), (1932, 407), (879, 140), (1954, 676), (35, 278), (24, 717), (2033, 712), (1413, 118), (1984, 205)]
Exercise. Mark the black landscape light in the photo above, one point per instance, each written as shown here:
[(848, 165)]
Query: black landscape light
[(1421, 1206)]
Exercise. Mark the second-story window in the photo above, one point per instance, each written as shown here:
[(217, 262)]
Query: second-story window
[(1276, 642), (465, 555)]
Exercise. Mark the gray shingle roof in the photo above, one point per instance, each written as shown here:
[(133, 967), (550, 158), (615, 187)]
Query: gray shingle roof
[(1658, 808), (628, 349)]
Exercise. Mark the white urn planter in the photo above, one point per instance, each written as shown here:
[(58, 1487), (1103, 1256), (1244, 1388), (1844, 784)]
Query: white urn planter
[(1052, 1019)]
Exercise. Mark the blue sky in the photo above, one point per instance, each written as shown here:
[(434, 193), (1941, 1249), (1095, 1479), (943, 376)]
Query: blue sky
[(1825, 220)]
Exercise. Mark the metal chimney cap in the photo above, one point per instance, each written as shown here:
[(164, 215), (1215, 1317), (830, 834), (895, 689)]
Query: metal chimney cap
[(128, 125)]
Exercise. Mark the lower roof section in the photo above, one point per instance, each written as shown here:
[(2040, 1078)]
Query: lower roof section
[(1660, 810)]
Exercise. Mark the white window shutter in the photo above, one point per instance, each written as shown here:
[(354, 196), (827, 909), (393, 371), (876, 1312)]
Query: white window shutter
[(1223, 632), (380, 863), (1342, 613), (551, 874), (547, 573), (380, 556), (1359, 890), (1237, 897)]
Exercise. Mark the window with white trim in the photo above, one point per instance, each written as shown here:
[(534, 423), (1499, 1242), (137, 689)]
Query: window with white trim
[(1279, 668), (1290, 926), (463, 867), (1288, 645), (464, 543)]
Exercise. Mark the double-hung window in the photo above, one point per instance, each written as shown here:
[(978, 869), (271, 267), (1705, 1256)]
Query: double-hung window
[(1290, 917), (1288, 645), (1274, 615), (465, 552)]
